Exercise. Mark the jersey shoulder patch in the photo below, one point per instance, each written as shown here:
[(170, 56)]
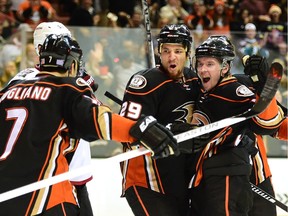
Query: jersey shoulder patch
[(243, 91), (138, 82)]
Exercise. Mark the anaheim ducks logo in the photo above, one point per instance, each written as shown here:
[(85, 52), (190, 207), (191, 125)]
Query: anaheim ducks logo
[(243, 91), (200, 118), (186, 111), (138, 82)]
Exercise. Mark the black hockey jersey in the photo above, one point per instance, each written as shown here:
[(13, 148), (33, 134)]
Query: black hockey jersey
[(37, 116), (227, 99)]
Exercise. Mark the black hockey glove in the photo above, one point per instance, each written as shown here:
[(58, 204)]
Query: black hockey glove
[(257, 67), (155, 137), (192, 145)]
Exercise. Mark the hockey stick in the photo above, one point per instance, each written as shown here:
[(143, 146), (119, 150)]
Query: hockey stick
[(145, 9), (268, 197), (268, 92), (113, 97)]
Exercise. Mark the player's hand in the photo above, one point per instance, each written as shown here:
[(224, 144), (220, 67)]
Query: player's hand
[(192, 145), (256, 67), (155, 137)]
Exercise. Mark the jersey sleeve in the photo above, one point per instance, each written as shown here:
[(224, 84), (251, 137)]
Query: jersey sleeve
[(282, 132), (89, 119), (267, 122)]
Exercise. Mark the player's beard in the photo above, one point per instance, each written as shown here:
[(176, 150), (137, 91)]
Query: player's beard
[(175, 75)]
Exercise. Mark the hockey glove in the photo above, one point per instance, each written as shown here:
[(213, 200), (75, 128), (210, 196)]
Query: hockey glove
[(257, 67), (192, 145), (155, 137)]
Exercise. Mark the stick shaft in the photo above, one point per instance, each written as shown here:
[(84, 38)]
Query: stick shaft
[(145, 9)]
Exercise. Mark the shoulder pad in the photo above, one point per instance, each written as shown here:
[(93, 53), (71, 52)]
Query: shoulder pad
[(25, 74), (244, 79), (232, 89)]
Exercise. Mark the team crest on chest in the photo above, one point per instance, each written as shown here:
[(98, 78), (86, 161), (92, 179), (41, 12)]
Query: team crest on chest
[(138, 82), (243, 91)]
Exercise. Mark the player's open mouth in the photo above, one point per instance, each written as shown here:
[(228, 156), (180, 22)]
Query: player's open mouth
[(206, 79), (173, 66)]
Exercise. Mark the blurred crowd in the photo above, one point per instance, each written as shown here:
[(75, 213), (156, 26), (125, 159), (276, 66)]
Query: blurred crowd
[(256, 26)]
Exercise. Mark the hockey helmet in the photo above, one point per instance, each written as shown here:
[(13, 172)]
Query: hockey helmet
[(175, 33), (216, 46), (59, 51), (46, 28)]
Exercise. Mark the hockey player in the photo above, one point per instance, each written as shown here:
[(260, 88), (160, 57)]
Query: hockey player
[(221, 183), (79, 154), (255, 69), (38, 114), (159, 187)]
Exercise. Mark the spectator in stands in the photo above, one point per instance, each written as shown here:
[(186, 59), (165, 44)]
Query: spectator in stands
[(9, 70), (259, 10), (251, 44), (84, 14), (222, 16), (7, 19), (100, 72), (237, 25), (174, 11), (199, 20), (134, 21), (122, 5), (162, 21), (34, 12), (10, 52), (275, 31), (106, 19), (154, 8), (30, 57)]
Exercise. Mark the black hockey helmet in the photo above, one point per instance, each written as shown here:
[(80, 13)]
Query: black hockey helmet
[(59, 51), (175, 33), (217, 46)]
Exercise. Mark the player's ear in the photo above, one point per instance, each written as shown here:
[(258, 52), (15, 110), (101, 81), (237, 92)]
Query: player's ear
[(73, 69), (225, 68)]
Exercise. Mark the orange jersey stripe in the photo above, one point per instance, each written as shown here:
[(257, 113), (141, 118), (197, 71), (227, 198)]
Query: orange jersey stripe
[(154, 89)]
